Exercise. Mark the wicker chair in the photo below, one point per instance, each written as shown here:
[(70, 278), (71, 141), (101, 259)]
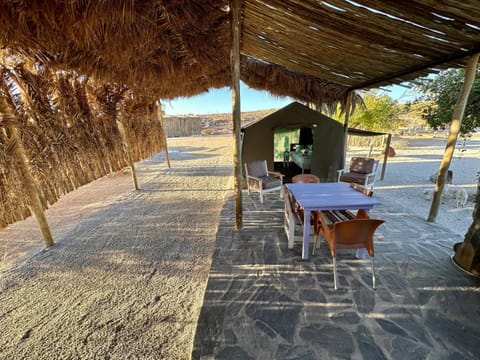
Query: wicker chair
[(362, 171), (260, 179)]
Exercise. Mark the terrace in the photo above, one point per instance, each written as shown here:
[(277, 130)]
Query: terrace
[(263, 302), (128, 276)]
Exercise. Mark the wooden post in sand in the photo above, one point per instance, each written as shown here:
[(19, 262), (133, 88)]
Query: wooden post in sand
[(348, 105), (126, 143), (236, 115), (12, 134), (385, 157), (160, 119), (452, 136), (23, 163)]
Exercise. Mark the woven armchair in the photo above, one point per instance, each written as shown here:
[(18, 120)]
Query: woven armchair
[(362, 171), (260, 179)]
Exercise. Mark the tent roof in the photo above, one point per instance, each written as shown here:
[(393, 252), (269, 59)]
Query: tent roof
[(310, 50), (298, 115)]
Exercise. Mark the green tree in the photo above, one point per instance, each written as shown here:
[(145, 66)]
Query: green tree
[(412, 114), (442, 93), (379, 113)]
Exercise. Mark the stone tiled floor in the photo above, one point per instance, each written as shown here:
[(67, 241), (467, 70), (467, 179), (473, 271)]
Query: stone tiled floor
[(263, 302)]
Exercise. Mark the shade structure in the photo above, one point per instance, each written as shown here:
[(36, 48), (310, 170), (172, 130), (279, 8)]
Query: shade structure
[(310, 50)]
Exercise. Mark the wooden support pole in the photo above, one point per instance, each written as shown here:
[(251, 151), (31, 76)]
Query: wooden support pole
[(236, 114), (345, 125), (11, 132), (29, 185), (385, 157), (126, 144), (458, 112), (160, 119)]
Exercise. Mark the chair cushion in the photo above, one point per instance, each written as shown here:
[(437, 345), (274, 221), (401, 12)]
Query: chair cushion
[(269, 182), (257, 168), (352, 177), (361, 165)]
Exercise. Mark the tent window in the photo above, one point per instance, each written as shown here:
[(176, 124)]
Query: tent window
[(282, 140)]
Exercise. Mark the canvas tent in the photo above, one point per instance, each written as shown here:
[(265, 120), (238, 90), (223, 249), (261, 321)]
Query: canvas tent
[(328, 138)]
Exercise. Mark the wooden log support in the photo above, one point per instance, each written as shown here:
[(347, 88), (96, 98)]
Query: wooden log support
[(348, 106), (29, 185), (385, 157), (126, 144), (236, 115), (160, 119), (458, 112)]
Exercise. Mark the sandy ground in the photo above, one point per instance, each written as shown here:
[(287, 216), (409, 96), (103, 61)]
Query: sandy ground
[(126, 277), (127, 274), (407, 177)]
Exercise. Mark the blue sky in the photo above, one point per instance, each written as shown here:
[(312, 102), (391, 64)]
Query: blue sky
[(220, 100)]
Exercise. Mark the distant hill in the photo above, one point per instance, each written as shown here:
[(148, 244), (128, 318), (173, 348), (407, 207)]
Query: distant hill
[(209, 124)]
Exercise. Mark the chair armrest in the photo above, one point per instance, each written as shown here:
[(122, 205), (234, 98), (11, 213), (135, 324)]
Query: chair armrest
[(253, 178), (340, 172), (370, 178), (276, 174)]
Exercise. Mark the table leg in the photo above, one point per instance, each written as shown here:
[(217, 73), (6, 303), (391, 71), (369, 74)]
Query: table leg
[(306, 234)]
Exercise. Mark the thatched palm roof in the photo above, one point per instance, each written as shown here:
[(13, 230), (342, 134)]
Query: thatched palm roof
[(310, 50)]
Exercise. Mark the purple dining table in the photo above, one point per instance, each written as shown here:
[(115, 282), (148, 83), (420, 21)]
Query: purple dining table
[(327, 196)]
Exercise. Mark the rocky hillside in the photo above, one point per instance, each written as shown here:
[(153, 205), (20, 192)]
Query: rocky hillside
[(209, 124)]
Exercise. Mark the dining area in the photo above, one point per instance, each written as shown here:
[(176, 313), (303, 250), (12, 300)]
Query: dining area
[(266, 299), (324, 197), (337, 212)]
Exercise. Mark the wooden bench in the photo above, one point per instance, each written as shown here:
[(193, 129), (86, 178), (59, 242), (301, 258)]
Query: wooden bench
[(333, 216)]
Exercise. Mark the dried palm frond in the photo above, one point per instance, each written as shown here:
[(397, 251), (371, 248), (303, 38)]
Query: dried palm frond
[(62, 128)]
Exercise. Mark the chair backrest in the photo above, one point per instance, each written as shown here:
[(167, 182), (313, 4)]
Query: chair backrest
[(354, 234), (257, 168), (290, 207), (363, 165), (305, 178)]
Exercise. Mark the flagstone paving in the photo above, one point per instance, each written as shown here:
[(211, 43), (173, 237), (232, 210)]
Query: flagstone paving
[(263, 302)]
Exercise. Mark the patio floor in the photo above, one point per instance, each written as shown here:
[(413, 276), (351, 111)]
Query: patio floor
[(263, 302)]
